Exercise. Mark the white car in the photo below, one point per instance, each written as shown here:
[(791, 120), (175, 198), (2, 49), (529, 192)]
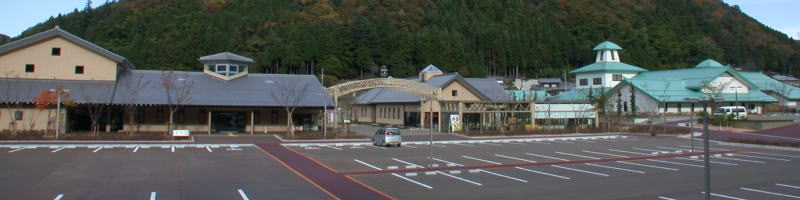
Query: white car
[(387, 136), (738, 112)]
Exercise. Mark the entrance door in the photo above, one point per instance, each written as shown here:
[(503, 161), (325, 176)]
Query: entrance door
[(223, 122)]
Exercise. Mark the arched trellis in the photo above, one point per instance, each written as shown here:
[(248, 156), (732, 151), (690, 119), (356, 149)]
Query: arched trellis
[(423, 90)]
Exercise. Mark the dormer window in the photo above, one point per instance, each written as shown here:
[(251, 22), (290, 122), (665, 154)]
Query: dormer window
[(226, 66), (228, 69)]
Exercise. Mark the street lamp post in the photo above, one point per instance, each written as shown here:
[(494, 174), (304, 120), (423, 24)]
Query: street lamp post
[(58, 108), (430, 133), (706, 161)]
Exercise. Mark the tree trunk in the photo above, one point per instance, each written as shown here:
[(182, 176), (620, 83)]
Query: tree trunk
[(289, 124)]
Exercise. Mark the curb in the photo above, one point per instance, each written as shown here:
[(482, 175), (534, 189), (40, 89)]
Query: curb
[(507, 140), (96, 141)]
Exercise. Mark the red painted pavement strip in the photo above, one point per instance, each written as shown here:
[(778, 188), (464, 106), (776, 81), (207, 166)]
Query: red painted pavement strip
[(373, 172), (335, 183)]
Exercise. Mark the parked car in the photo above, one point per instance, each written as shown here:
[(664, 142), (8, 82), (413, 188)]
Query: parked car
[(387, 136), (738, 112)]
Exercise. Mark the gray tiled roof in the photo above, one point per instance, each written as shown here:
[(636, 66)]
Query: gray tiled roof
[(549, 80), (225, 56), (253, 90), (57, 32), (486, 88)]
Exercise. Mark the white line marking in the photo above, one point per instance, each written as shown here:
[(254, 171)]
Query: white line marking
[(59, 197), (469, 145), (478, 159), (717, 162), (538, 142), (768, 158), (209, 149), (562, 142), (790, 186), (712, 148), (724, 196), (578, 170), (96, 150), (407, 163), (630, 152), (59, 149), (775, 154), (543, 173), (696, 148), (408, 146), (576, 155), (337, 148), (743, 160), (607, 154), (173, 148), (491, 144), (515, 158), (772, 193), (504, 176), (152, 195), (644, 165), (367, 164), (459, 178), (136, 149), (677, 163), (412, 181), (617, 168), (241, 193), (447, 162), (439, 145), (666, 198), (543, 156), (653, 150)]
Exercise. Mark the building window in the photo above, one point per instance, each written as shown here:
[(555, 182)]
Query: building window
[(691, 107), (160, 116), (79, 69), (181, 118), (613, 56), (454, 93), (201, 117), (256, 117), (625, 106), (29, 68), (584, 81), (56, 51), (679, 107), (18, 115), (616, 77), (274, 117), (602, 54), (597, 81), (666, 106), (139, 117)]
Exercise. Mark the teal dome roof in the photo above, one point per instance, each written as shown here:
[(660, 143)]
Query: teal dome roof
[(709, 63), (607, 45)]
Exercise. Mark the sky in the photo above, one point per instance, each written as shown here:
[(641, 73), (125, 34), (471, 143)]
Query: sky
[(18, 15)]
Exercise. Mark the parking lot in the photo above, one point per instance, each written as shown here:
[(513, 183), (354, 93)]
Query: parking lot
[(621, 167), (178, 171)]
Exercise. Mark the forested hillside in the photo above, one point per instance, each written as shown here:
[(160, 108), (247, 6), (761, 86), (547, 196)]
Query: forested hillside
[(351, 38)]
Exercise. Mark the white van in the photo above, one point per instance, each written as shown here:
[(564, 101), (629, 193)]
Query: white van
[(387, 136), (738, 112)]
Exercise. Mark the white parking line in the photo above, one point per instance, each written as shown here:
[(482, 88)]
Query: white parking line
[(136, 149), (209, 149), (447, 162), (789, 186), (407, 163), (677, 163), (244, 196), (651, 150), (504, 176), (15, 150), (717, 162), (543, 173), (607, 154), (576, 155), (666, 198), (337, 148), (59, 149), (96, 150), (173, 149), (644, 165), (487, 161), (712, 148), (152, 195), (772, 193), (724, 196), (579, 170), (630, 152), (515, 158), (409, 146), (412, 181), (58, 197), (768, 158), (543, 156), (743, 160), (459, 178), (617, 168), (775, 154), (367, 164), (696, 148)]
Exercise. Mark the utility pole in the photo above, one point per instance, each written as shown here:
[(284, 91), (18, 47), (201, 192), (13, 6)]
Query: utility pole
[(325, 109)]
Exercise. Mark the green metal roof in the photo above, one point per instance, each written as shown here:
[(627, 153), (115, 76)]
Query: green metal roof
[(580, 94), (607, 45), (709, 63), (764, 82), (608, 67), (674, 90), (528, 95)]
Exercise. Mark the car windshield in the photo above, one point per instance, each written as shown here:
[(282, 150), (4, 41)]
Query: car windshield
[(720, 110), (392, 132)]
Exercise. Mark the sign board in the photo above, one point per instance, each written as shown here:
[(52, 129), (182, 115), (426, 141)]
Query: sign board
[(455, 123), (180, 133)]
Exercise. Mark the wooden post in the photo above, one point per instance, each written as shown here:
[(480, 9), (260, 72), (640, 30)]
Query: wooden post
[(440, 115), (252, 122), (532, 106), (209, 122), (421, 114)]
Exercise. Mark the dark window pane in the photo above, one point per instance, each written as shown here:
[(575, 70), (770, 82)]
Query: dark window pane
[(56, 51), (79, 69), (29, 68)]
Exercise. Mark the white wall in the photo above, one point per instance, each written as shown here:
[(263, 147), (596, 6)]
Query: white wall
[(731, 84), (589, 77)]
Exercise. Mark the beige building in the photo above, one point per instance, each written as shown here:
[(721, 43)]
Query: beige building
[(98, 85)]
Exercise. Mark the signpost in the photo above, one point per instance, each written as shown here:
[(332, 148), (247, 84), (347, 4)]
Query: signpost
[(181, 133), (455, 123)]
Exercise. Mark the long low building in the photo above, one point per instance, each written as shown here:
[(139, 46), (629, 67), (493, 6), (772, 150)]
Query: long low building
[(98, 85)]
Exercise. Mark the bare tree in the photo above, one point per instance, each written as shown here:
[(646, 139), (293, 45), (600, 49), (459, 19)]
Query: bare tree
[(178, 90), (289, 95), (133, 85), (93, 102), (14, 96)]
